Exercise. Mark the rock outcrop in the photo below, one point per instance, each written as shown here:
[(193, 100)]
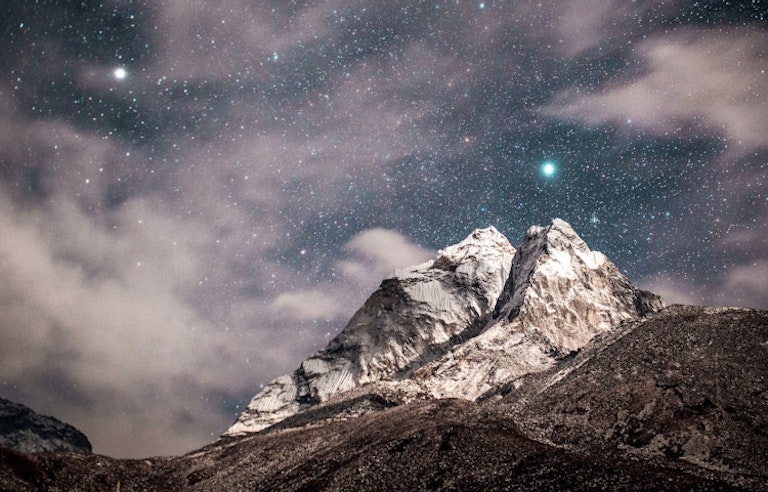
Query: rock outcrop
[(22, 429)]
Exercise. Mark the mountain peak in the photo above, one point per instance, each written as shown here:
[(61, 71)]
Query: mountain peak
[(480, 245), (567, 290), (560, 224), (554, 249), (557, 233), (561, 233), (478, 316), (488, 236)]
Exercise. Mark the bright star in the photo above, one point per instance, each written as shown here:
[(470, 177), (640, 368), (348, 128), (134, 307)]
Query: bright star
[(548, 169), (120, 73)]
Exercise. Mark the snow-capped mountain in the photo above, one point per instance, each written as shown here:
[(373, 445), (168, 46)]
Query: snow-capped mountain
[(558, 296), (479, 316), (460, 374)]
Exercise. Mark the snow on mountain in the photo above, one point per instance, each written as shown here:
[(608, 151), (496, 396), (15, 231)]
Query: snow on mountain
[(478, 316), (559, 295), (411, 319)]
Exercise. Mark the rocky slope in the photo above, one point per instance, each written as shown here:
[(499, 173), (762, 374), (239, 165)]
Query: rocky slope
[(689, 385), (22, 429), (432, 445), (477, 317)]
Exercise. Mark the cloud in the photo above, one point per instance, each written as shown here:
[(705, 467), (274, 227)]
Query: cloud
[(673, 290), (201, 40), (695, 80), (585, 24), (574, 28), (740, 285), (745, 285), (378, 253), (91, 313), (373, 255), (308, 305), (112, 328)]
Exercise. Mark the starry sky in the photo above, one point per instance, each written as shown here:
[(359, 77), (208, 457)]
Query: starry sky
[(196, 195)]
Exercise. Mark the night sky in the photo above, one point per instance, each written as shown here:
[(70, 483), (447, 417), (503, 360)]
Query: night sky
[(195, 195)]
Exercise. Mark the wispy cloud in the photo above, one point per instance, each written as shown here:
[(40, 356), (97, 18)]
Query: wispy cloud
[(696, 81), (373, 255)]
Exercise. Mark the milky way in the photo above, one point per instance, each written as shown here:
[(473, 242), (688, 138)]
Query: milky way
[(195, 195)]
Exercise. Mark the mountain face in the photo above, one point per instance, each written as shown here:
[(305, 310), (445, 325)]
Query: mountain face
[(412, 318), (22, 429), (477, 317)]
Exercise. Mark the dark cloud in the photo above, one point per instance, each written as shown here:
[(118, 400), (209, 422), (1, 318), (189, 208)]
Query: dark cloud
[(176, 237)]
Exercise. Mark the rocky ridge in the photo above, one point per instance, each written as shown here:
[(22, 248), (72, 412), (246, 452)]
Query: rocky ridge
[(689, 384), (24, 430)]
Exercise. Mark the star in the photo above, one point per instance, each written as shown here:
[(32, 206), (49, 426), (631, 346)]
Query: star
[(548, 169), (120, 73)]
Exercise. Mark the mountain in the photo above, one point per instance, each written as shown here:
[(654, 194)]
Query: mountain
[(412, 318), (488, 368), (22, 429), (673, 402), (478, 316)]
